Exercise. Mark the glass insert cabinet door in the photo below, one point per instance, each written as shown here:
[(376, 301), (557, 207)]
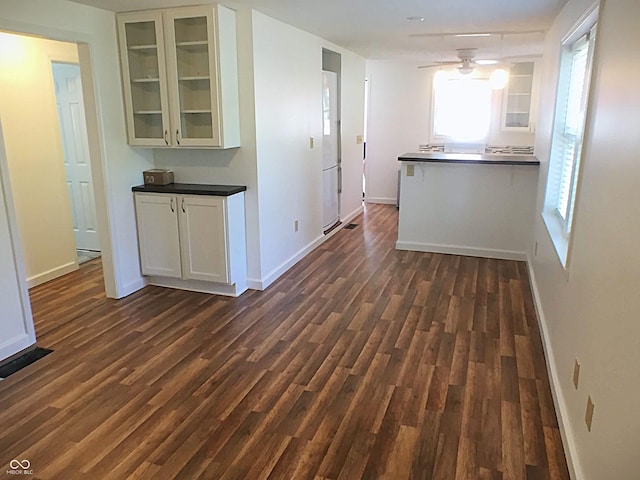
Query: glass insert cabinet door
[(143, 63), (193, 77)]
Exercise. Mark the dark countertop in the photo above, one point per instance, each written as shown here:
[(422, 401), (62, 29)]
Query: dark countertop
[(192, 189), (472, 158)]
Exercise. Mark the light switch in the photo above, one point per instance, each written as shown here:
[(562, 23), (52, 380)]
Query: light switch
[(311, 142), (359, 139), (410, 170)]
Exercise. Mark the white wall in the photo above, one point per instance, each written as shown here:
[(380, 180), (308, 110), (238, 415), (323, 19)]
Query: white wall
[(115, 166), (400, 105), (288, 87), (28, 109), (591, 311)]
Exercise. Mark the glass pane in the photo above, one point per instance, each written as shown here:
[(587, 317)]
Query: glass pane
[(197, 125), (148, 125), (141, 34), (192, 29)]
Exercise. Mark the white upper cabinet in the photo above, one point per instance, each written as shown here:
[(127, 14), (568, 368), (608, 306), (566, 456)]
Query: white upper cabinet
[(521, 97), (180, 77)]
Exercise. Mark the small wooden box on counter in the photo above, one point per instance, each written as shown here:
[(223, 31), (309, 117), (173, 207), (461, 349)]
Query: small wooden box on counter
[(158, 176)]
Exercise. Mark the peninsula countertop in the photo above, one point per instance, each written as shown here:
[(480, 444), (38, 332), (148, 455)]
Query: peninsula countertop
[(470, 158)]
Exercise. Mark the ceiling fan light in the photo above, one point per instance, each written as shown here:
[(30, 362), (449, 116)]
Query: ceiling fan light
[(465, 69), (499, 79)]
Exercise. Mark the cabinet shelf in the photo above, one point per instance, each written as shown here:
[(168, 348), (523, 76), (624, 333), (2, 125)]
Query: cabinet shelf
[(145, 80), (194, 78), (142, 47), (196, 111), (196, 43), (147, 112)]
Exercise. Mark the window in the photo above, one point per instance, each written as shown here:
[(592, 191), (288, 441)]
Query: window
[(566, 144), (462, 108)]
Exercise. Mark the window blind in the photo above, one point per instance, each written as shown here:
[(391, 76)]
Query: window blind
[(569, 134)]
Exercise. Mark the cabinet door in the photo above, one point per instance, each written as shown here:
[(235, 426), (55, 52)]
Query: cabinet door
[(203, 238), (193, 75), (520, 97), (143, 61), (157, 218)]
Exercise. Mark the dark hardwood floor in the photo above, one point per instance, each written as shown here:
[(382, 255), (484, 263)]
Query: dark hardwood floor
[(360, 362)]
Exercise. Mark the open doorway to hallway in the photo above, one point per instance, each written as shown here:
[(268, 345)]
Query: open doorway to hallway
[(44, 127)]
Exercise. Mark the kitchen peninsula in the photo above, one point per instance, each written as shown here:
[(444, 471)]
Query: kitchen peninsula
[(467, 204)]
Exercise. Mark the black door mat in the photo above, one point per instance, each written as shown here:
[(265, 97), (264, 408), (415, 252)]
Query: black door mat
[(22, 361), (351, 226)]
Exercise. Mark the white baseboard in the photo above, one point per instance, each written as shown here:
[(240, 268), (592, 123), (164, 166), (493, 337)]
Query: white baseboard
[(56, 272), (568, 441), (15, 345), (462, 250), (234, 290), (384, 200)]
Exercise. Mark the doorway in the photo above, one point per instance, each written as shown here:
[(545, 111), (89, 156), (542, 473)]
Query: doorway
[(47, 151), (77, 164)]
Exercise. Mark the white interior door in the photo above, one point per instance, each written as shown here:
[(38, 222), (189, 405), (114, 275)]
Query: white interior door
[(330, 150), (73, 129)]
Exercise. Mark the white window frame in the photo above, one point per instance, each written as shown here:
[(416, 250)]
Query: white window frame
[(566, 145)]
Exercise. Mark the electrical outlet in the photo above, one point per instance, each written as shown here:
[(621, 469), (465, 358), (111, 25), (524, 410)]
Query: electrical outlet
[(410, 170), (359, 139), (576, 373), (588, 417), (311, 142), (295, 225)]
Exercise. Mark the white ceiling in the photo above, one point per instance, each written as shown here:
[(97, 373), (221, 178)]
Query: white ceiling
[(378, 29)]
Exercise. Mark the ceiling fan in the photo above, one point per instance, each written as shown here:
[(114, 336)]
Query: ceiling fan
[(466, 61)]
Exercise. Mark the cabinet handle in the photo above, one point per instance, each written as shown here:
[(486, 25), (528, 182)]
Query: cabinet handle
[(166, 140), (172, 207), (178, 136), (183, 209)]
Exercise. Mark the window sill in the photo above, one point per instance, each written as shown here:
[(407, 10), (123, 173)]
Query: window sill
[(558, 238)]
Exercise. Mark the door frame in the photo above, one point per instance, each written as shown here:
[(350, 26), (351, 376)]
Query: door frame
[(97, 155)]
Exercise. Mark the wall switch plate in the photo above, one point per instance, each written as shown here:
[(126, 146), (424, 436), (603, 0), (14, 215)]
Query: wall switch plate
[(588, 417), (535, 249), (295, 225), (576, 373), (359, 139), (311, 142), (410, 170)]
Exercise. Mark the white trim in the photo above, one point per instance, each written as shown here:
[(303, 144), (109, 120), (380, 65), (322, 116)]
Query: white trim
[(234, 290), (568, 440), (383, 200), (56, 272), (14, 346), (461, 250)]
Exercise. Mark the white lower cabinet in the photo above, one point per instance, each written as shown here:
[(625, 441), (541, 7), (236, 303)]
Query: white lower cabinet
[(195, 242)]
